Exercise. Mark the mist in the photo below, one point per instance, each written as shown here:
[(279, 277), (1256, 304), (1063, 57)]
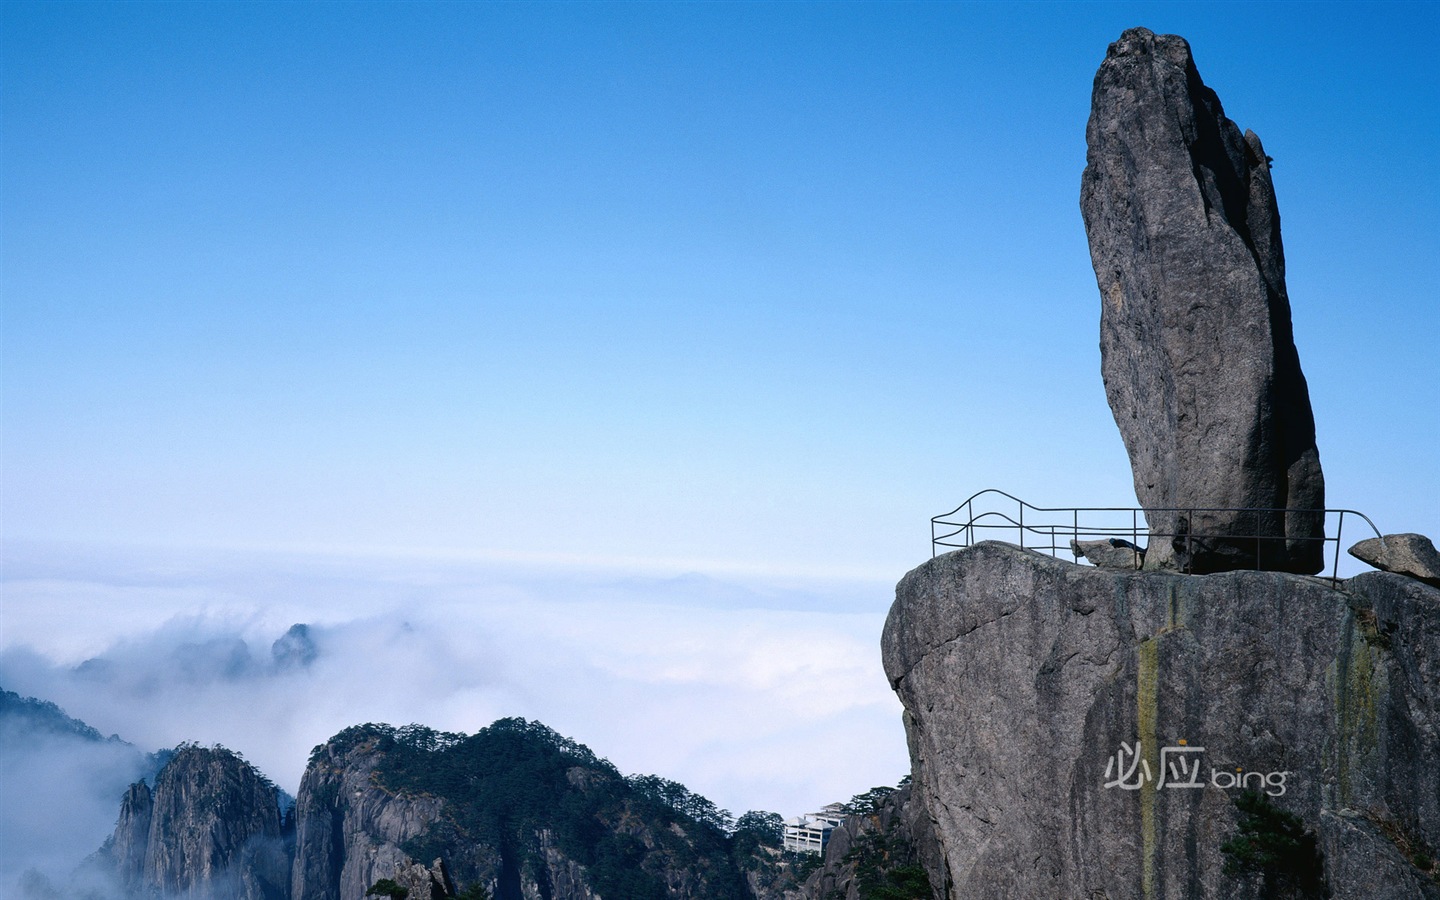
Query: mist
[(719, 683), (61, 794)]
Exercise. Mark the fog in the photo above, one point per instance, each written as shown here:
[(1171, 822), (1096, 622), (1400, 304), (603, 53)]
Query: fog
[(60, 794), (757, 691)]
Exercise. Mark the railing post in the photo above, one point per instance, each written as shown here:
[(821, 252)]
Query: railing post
[(1022, 524), (1339, 527)]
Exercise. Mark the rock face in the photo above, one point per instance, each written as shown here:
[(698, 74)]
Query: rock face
[(295, 649), (1040, 693), (1196, 344), (348, 830), (892, 847), (132, 834), (431, 882), (211, 828), (1406, 554), (515, 809)]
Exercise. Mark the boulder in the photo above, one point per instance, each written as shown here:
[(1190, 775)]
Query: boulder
[(1405, 554), (1109, 554), (1196, 345)]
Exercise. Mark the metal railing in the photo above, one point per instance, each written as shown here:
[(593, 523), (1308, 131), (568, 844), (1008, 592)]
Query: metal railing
[(1002, 516)]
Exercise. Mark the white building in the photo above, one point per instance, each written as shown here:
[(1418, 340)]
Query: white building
[(810, 833)]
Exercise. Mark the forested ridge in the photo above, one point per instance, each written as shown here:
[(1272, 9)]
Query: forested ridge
[(516, 785)]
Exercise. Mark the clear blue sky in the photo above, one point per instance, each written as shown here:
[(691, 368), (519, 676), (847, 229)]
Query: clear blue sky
[(719, 285)]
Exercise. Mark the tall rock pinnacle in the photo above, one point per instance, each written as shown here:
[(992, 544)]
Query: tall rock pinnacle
[(1196, 344), (210, 829)]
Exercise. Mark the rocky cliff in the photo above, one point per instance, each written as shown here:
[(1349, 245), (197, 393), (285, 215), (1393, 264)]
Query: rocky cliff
[(1081, 732), (888, 851), (126, 847), (210, 829), (349, 831), (515, 810), (1084, 732), (512, 812)]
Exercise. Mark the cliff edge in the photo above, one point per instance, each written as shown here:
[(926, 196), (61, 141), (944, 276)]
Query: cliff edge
[(1083, 732)]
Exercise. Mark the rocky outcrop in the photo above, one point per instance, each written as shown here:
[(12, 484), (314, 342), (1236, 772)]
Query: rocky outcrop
[(1057, 714), (349, 830), (515, 809), (514, 812), (1196, 344), (211, 829), (421, 882), (126, 848), (892, 847), (295, 649), (1404, 554), (560, 876)]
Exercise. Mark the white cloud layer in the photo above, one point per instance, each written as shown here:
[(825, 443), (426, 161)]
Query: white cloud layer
[(759, 695)]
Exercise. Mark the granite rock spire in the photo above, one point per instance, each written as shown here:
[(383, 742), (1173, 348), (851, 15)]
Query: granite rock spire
[(1197, 349)]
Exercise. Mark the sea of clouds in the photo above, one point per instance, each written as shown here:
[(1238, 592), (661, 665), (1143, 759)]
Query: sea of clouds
[(759, 691)]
